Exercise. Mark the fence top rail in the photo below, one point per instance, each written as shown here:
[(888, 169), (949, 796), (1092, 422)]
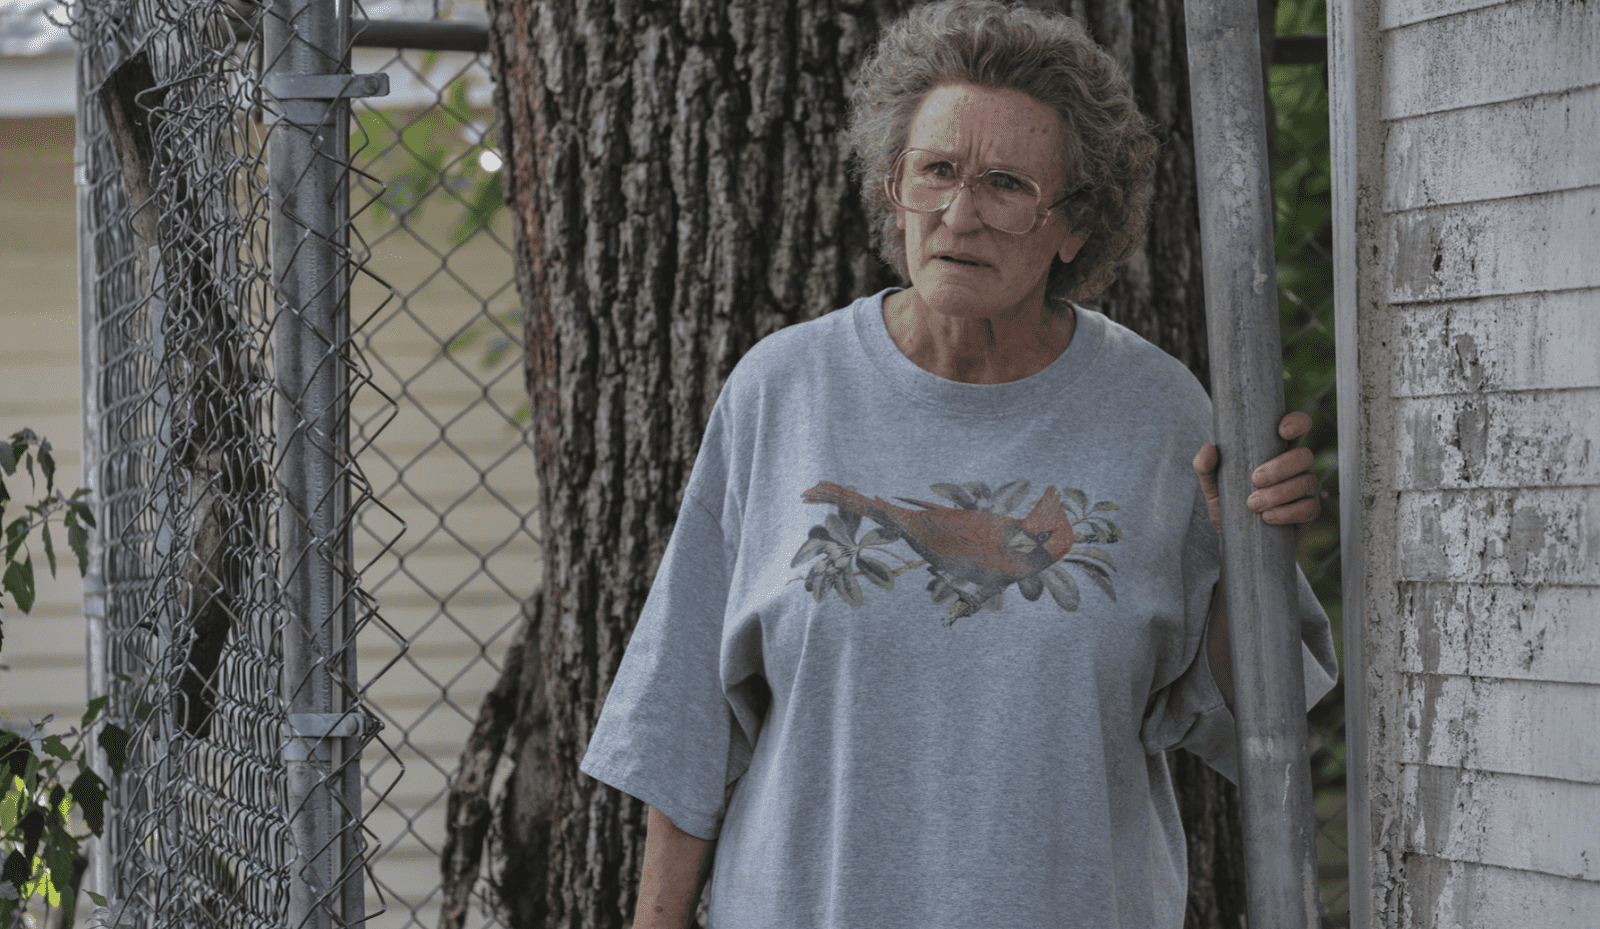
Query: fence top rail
[(419, 34)]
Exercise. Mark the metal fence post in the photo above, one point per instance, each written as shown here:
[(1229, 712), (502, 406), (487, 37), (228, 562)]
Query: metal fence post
[(1247, 382), (305, 50), (97, 664)]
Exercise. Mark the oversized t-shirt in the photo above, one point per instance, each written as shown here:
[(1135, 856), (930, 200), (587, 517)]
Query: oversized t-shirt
[(916, 648)]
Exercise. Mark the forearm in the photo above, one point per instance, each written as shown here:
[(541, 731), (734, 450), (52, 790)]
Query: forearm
[(675, 865), (1217, 644)]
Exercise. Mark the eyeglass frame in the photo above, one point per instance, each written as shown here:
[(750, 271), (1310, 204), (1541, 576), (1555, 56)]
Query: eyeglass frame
[(1039, 218)]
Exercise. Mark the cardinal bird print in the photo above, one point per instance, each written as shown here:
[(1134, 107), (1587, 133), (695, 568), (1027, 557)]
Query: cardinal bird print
[(974, 549)]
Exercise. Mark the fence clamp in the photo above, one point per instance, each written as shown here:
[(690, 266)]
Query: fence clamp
[(308, 730), (326, 86)]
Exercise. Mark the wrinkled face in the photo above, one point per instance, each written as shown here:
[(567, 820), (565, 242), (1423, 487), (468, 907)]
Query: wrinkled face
[(959, 266)]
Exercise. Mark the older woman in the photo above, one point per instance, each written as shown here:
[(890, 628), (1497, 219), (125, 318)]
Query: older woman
[(941, 593)]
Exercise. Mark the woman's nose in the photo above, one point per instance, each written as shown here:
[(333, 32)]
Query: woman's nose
[(962, 213)]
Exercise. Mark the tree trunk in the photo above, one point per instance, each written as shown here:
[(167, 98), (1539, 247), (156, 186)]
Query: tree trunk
[(678, 183)]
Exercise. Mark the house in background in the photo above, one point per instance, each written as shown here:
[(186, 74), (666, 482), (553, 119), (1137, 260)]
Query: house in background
[(43, 656), (1467, 205)]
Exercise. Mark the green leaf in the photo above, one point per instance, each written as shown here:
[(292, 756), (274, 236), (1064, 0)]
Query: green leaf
[(1077, 496), (47, 464), (78, 541), (49, 548), (9, 805), (89, 792), (15, 753), (58, 857), (53, 745), (16, 870), (31, 825), (18, 582), (95, 706), (16, 534), (456, 108), (8, 458), (114, 740), (98, 900)]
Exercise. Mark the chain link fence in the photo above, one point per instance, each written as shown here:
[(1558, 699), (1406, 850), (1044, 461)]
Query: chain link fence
[(299, 406), (301, 409)]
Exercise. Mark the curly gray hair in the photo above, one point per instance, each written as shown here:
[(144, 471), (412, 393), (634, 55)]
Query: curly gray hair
[(1107, 145)]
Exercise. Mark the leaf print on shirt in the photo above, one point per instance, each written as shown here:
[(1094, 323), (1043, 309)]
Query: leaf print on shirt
[(974, 550)]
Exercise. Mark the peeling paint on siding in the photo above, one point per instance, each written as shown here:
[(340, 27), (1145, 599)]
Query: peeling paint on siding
[(1487, 818), (1533, 728), (1523, 245), (1501, 52), (1510, 149), (1531, 342), (1460, 895), (1538, 633), (1533, 439), (1477, 314), (1529, 536)]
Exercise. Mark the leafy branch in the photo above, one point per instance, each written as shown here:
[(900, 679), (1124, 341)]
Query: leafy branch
[(43, 855)]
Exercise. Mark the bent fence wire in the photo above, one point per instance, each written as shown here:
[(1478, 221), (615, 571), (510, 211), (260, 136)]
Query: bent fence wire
[(301, 407), (298, 406)]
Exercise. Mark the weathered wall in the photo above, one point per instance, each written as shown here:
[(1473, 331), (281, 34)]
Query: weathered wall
[(1477, 216)]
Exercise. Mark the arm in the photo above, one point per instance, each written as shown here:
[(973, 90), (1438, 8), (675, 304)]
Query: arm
[(675, 866), (1286, 494)]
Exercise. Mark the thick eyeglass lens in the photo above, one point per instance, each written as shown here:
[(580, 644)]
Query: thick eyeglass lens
[(926, 182)]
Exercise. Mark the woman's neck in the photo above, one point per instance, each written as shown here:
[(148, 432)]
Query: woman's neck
[(977, 350)]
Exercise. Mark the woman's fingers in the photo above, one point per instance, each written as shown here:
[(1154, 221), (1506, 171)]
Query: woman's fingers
[(1205, 464), (1298, 513), (1294, 425), (1282, 468), (1286, 499)]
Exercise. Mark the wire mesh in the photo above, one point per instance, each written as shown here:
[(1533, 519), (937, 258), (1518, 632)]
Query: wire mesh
[(456, 464), (225, 487)]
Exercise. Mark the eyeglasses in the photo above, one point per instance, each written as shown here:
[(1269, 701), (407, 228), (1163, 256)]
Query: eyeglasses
[(1006, 201)]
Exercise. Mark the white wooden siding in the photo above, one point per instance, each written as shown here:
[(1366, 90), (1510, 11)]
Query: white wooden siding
[(41, 666), (1478, 300)]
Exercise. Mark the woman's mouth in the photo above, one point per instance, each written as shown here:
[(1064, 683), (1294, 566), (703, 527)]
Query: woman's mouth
[(962, 261)]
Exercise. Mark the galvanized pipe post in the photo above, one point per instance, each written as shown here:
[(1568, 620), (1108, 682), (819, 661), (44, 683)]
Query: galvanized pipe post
[(305, 44), (103, 850), (1247, 386)]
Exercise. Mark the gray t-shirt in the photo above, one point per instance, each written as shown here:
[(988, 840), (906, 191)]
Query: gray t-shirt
[(917, 648)]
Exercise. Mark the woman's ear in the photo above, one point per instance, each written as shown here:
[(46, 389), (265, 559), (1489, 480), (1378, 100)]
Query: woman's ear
[(1070, 247)]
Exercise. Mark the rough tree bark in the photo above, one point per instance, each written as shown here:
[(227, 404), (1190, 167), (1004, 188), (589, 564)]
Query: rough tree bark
[(677, 177)]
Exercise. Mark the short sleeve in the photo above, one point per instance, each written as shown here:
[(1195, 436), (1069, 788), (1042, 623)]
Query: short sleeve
[(667, 734), (1190, 713)]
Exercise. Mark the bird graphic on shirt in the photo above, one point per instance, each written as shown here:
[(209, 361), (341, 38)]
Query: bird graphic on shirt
[(988, 551)]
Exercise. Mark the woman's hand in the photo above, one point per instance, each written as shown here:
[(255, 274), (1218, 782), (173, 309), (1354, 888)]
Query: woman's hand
[(1286, 492)]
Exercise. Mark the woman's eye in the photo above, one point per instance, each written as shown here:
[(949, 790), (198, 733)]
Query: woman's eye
[(1006, 183), (940, 169)]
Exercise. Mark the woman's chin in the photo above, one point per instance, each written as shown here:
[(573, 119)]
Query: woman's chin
[(962, 295)]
